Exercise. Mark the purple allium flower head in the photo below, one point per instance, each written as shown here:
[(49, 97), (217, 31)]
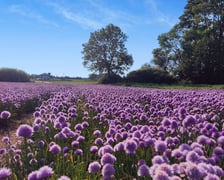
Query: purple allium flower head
[(36, 128), (193, 172), (108, 158), (52, 143), (175, 178), (141, 162), (64, 178), (195, 144), (61, 118), (78, 152), (41, 143), (110, 141), (5, 115), (143, 170), (36, 114), (80, 138), (161, 175), (193, 157), (93, 149), (25, 131), (5, 139), (218, 152), (60, 135), (160, 146), (30, 155), (218, 171), (165, 168), (118, 136), (57, 125), (66, 130), (158, 160), (182, 110), (108, 170), (149, 141), (85, 124), (202, 139), (75, 144), (119, 147), (65, 149), (5, 173), (211, 177), (98, 141), (44, 172), (185, 147), (130, 146), (105, 149), (78, 127), (94, 167), (55, 149), (199, 151), (37, 120), (174, 124), (47, 130), (221, 140), (33, 162), (137, 134), (166, 122), (189, 121), (33, 175), (211, 161), (97, 133), (2, 151)]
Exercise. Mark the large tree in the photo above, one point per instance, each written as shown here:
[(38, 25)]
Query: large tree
[(105, 52), (196, 43)]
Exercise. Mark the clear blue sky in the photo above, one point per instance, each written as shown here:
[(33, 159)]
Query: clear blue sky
[(40, 36)]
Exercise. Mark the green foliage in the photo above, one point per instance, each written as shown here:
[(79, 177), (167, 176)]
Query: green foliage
[(105, 52), (194, 48), (13, 75), (150, 75), (110, 80), (94, 76)]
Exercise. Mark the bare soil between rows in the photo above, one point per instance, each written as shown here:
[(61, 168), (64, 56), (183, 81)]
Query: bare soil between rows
[(10, 129)]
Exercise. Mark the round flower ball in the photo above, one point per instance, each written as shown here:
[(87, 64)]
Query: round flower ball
[(160, 146), (143, 170), (25, 131), (94, 167), (5, 173), (108, 171), (5, 115), (44, 172)]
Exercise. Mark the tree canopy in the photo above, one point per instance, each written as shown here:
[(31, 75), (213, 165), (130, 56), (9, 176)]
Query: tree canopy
[(105, 52), (194, 48), (13, 75)]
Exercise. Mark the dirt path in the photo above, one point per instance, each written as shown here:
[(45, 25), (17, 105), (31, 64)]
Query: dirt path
[(10, 131)]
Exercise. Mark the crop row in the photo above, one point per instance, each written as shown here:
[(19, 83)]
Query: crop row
[(22, 98)]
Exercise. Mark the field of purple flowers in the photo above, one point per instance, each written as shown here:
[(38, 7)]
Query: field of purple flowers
[(20, 98), (110, 132)]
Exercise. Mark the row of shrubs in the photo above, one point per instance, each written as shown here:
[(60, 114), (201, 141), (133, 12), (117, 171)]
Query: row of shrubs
[(13, 75), (149, 75)]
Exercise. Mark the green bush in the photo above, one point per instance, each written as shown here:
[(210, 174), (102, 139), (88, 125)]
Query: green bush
[(110, 80), (149, 75), (13, 75)]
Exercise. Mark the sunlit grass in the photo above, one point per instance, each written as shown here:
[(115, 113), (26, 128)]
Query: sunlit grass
[(174, 86), (76, 81)]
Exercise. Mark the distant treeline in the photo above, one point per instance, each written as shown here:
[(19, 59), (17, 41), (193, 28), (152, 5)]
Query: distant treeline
[(50, 77), (16, 75)]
